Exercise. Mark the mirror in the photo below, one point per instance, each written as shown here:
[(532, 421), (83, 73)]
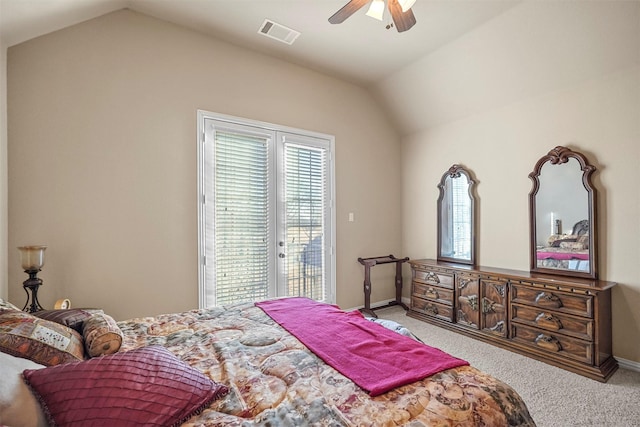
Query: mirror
[(562, 215), (456, 217)]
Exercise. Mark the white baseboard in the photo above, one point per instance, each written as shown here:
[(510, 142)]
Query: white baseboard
[(373, 305), (628, 364), (382, 303)]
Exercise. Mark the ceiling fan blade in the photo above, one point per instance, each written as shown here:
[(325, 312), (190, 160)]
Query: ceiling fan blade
[(402, 20), (347, 10)]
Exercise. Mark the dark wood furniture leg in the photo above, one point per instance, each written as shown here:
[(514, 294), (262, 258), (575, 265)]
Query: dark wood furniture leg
[(370, 262), (367, 290), (399, 285)]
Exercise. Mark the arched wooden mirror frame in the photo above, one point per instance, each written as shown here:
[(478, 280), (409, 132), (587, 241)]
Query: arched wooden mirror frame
[(560, 156), (456, 172)]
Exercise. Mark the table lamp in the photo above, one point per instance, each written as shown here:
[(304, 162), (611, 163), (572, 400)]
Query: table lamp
[(32, 262)]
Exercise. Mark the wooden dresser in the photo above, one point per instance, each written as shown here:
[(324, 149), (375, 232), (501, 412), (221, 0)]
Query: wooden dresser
[(559, 320)]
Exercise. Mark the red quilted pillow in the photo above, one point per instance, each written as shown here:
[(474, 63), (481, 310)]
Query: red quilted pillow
[(71, 317), (147, 386)]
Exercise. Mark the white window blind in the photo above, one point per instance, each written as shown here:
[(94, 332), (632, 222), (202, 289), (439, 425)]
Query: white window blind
[(305, 192), (241, 224), (461, 220)]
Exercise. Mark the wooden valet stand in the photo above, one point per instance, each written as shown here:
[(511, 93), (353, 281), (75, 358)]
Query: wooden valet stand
[(370, 262)]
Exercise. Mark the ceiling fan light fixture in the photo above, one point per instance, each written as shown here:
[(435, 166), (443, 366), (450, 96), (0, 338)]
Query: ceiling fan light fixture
[(376, 9), (402, 20), (406, 4)]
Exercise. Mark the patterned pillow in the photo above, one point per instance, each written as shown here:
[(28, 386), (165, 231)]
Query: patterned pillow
[(556, 240), (584, 239), (147, 386), (73, 317), (44, 342), (102, 335), (574, 246), (7, 306)]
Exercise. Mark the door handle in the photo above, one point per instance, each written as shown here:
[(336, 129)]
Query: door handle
[(281, 255)]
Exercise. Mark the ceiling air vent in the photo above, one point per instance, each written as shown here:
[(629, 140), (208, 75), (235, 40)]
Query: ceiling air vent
[(278, 32)]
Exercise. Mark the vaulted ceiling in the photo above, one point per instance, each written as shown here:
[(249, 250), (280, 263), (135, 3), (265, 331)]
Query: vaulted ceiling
[(461, 58), (360, 50)]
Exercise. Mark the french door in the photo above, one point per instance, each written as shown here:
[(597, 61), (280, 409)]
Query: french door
[(265, 212)]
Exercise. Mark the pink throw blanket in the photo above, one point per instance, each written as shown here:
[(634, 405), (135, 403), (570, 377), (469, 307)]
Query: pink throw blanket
[(375, 358), (563, 255)]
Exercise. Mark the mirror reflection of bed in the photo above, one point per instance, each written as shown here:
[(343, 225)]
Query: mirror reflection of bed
[(566, 251), (563, 225)]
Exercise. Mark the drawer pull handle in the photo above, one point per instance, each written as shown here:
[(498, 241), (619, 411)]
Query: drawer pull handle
[(499, 327), (431, 293), (546, 299), (490, 306), (462, 283), (549, 321), (430, 308), (471, 300), (548, 343), (433, 277)]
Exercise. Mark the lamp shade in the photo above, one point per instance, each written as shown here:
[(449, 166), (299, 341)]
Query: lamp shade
[(32, 257), (376, 9)]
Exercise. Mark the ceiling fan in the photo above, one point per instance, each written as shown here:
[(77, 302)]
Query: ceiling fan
[(401, 13)]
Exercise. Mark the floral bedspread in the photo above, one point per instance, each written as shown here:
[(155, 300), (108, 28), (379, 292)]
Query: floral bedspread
[(276, 381)]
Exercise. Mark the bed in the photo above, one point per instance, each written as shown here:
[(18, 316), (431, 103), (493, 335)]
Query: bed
[(267, 377), (566, 251)]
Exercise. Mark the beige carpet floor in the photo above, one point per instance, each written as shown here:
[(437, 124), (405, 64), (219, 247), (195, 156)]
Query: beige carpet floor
[(555, 397)]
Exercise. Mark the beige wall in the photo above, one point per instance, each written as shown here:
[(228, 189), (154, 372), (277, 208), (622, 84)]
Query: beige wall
[(102, 147), (583, 92), (102, 158), (4, 289)]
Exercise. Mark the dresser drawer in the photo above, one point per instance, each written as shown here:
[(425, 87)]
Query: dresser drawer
[(431, 277), (434, 309), (553, 343), (432, 292), (578, 327), (581, 305)]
